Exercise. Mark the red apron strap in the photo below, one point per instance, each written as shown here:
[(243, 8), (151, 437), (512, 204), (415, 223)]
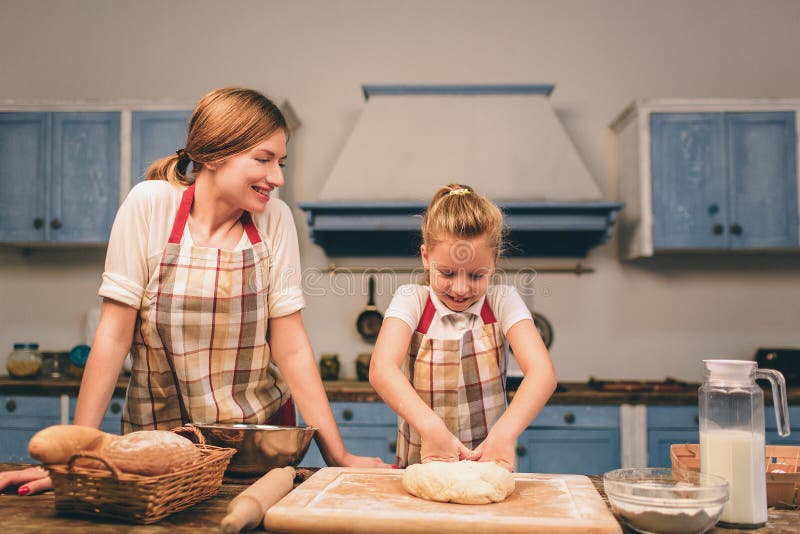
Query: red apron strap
[(250, 228), (486, 313), (427, 317), (182, 215)]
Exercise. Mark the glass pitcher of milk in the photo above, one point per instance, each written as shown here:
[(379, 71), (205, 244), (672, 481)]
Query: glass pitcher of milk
[(732, 434)]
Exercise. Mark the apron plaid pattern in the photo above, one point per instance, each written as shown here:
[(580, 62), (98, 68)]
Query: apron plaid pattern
[(462, 380), (200, 351)]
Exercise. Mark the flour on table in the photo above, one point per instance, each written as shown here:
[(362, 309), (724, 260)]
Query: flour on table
[(464, 482)]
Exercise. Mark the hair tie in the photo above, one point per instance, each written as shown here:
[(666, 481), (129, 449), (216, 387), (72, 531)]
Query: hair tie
[(183, 161), (460, 191)]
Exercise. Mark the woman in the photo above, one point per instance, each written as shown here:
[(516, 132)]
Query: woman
[(202, 286)]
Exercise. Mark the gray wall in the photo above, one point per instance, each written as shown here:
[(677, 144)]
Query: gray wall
[(645, 320)]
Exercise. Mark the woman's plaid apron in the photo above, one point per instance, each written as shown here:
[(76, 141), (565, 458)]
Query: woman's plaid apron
[(462, 380), (200, 351)]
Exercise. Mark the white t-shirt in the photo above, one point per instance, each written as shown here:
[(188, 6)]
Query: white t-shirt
[(141, 231), (409, 300)]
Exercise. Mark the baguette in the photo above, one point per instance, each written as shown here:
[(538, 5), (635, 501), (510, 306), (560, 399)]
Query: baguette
[(56, 444)]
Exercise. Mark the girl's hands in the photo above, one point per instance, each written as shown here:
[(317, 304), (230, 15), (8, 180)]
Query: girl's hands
[(31, 480), (351, 460), (439, 445), (500, 451)]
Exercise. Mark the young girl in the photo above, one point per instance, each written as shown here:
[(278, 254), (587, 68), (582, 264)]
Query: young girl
[(202, 285), (440, 359)]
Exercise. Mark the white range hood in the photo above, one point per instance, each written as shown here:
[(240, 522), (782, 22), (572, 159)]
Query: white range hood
[(504, 140)]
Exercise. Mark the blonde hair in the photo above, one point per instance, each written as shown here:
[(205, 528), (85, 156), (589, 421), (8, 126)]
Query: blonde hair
[(456, 210), (224, 123)]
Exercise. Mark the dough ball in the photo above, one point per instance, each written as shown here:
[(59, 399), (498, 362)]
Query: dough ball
[(151, 452), (464, 482)]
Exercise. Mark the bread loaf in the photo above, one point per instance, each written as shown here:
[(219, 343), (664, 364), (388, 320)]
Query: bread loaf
[(151, 452), (56, 444)]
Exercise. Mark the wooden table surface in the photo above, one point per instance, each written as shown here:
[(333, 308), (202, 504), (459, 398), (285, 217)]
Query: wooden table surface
[(36, 513)]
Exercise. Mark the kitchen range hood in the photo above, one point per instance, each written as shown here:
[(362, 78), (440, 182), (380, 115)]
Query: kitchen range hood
[(503, 140)]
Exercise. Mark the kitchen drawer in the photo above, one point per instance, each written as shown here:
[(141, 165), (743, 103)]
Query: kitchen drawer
[(363, 414), (112, 420), (685, 417), (577, 416), (22, 416), (660, 441), (577, 451), (29, 406)]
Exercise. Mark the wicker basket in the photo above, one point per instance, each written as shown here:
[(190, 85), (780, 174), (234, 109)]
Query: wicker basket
[(782, 465), (136, 498)]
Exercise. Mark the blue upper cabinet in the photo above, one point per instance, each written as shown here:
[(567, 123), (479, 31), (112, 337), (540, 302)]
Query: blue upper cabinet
[(689, 188), (154, 135), (708, 175), (84, 186), (23, 175), (762, 163), (59, 176)]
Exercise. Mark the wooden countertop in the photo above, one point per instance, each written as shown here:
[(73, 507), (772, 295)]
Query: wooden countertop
[(36, 513), (356, 391)]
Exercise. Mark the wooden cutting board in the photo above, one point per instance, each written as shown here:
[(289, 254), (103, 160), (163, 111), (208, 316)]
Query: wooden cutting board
[(340, 499)]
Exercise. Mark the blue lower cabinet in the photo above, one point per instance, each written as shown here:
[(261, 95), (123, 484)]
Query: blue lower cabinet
[(22, 416), (668, 425), (112, 420), (367, 428), (571, 439)]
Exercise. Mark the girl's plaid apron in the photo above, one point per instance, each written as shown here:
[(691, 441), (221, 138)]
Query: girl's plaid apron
[(462, 380), (200, 351)]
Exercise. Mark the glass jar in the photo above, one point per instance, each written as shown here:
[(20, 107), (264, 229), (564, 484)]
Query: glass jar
[(24, 361)]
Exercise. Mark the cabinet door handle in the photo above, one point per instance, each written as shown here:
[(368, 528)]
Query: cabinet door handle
[(115, 408), (717, 229), (736, 229), (393, 446), (521, 451), (696, 419), (713, 209), (38, 222), (11, 406), (55, 224), (347, 414), (569, 418)]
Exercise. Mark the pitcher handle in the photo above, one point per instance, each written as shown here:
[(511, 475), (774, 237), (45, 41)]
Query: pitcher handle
[(778, 398)]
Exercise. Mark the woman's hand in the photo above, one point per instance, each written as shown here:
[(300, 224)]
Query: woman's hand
[(498, 450), (31, 480), (439, 445), (351, 460)]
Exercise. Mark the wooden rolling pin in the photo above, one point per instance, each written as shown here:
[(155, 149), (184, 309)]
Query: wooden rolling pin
[(248, 509)]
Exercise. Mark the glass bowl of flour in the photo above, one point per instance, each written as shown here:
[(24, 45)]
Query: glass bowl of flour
[(653, 500)]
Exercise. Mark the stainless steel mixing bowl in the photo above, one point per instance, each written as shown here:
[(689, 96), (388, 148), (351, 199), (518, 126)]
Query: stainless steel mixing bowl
[(259, 448)]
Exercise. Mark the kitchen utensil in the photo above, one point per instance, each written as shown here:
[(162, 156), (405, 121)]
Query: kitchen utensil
[(660, 500), (732, 434), (785, 361), (338, 499), (259, 448), (782, 465), (369, 321), (246, 511)]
